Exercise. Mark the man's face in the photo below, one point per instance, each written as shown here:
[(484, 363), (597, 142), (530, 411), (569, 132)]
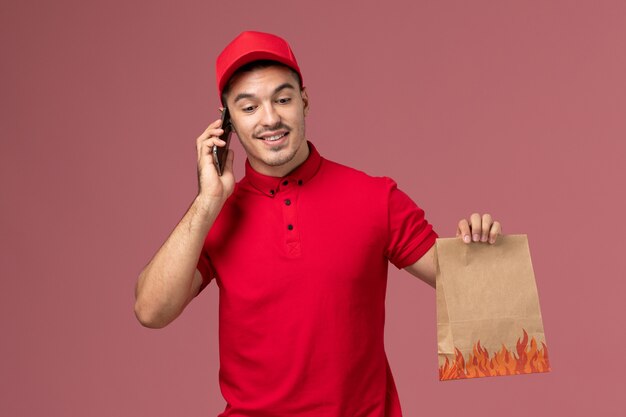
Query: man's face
[(267, 111)]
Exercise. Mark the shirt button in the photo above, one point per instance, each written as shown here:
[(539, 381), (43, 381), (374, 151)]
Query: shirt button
[(272, 192), (288, 202), (290, 227), (299, 182), (285, 182)]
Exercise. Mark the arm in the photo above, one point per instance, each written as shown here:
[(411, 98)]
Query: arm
[(478, 229), (424, 268), (170, 280)]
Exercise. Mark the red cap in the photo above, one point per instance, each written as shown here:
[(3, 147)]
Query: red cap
[(252, 46)]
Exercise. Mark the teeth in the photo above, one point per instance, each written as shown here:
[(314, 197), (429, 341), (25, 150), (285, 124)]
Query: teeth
[(273, 138)]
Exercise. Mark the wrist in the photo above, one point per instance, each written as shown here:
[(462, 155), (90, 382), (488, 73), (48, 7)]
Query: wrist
[(208, 204)]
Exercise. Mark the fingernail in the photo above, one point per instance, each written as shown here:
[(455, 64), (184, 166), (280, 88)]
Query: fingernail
[(492, 241), (476, 237), (483, 239), (466, 239)]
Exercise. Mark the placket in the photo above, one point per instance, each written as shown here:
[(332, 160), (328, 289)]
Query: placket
[(287, 198)]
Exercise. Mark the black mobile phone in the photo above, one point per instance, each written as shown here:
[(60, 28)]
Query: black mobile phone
[(220, 152)]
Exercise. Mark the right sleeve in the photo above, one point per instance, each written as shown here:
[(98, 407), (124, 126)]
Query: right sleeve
[(206, 269)]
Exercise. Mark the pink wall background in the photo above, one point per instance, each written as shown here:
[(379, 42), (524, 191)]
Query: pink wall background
[(515, 108)]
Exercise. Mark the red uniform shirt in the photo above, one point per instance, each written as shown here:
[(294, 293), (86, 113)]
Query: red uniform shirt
[(301, 265)]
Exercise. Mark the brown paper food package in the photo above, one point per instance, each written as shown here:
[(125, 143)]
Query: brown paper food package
[(488, 316)]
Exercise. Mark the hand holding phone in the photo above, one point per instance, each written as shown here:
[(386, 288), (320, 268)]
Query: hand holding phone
[(220, 152)]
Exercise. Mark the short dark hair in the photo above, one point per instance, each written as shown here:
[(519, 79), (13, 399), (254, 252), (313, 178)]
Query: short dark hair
[(252, 66)]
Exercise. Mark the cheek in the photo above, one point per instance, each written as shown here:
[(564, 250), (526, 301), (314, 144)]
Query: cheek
[(242, 129)]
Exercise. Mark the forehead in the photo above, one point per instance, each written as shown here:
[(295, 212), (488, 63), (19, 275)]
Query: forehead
[(260, 81)]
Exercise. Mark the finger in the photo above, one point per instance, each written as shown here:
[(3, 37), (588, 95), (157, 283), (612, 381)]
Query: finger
[(211, 131), (496, 230), (211, 140), (206, 161), (487, 221), (204, 141), (463, 230), (216, 124), (475, 224), (206, 166)]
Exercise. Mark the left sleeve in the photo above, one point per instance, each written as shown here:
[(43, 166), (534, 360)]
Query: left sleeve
[(409, 235)]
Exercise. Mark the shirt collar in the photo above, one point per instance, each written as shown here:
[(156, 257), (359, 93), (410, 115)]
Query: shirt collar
[(270, 186)]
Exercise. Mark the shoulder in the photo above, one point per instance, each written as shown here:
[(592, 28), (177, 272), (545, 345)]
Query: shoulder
[(343, 175)]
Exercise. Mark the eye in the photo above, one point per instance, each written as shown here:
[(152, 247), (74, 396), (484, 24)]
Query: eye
[(248, 109), (284, 100)]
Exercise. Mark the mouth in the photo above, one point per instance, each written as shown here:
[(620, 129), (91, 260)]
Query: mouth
[(275, 137)]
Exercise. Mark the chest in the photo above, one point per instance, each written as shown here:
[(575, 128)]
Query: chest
[(299, 242)]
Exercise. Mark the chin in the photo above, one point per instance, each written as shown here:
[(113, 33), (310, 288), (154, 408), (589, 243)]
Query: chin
[(281, 157)]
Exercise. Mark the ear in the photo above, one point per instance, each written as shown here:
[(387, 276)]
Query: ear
[(305, 100), (232, 122)]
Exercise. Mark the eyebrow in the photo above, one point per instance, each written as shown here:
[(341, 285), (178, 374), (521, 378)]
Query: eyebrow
[(278, 89)]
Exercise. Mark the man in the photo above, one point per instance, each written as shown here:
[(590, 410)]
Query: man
[(299, 249)]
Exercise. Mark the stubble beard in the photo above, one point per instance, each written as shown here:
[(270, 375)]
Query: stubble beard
[(276, 158)]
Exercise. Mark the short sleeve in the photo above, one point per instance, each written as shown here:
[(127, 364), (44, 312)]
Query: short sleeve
[(410, 235), (206, 269)]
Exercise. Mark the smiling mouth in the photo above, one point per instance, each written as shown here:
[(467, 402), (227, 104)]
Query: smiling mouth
[(274, 138)]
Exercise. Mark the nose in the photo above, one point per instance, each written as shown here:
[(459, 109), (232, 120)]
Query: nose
[(269, 115)]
